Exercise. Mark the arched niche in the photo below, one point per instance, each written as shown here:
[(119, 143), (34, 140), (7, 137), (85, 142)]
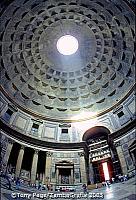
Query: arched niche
[(97, 132)]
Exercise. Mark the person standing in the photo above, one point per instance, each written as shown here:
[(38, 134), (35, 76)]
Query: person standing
[(84, 188), (17, 183), (9, 179)]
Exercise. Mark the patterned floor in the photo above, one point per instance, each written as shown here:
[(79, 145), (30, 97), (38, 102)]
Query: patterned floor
[(117, 191)]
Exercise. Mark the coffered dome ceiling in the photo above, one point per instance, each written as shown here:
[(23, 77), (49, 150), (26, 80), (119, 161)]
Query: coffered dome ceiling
[(38, 78)]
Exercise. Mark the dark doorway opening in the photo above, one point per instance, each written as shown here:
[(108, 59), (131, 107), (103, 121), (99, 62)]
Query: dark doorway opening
[(14, 156), (41, 165), (27, 159), (65, 173)]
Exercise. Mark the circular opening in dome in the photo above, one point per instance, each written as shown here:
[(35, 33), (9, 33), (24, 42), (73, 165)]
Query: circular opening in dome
[(67, 45)]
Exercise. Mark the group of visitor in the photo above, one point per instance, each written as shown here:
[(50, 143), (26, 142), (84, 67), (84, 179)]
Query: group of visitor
[(121, 178), (117, 179), (40, 186), (84, 188), (10, 179), (106, 183)]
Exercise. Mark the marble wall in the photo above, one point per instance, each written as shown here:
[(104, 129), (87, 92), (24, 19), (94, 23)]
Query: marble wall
[(71, 157), (122, 146), (74, 158), (52, 131)]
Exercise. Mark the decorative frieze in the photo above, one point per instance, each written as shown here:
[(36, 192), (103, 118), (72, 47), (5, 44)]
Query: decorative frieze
[(81, 154), (49, 154)]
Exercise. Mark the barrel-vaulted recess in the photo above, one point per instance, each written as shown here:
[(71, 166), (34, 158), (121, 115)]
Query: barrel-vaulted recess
[(96, 133)]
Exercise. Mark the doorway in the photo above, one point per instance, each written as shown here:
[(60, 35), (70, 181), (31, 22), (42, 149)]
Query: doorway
[(64, 173), (103, 170)]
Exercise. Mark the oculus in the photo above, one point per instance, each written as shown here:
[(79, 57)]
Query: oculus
[(67, 45)]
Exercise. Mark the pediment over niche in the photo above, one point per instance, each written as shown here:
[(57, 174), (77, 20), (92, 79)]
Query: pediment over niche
[(64, 162)]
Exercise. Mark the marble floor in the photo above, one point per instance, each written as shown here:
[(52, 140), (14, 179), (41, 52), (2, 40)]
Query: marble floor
[(118, 191)]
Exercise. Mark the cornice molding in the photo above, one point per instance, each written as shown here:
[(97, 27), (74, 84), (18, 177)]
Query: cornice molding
[(123, 131), (14, 134)]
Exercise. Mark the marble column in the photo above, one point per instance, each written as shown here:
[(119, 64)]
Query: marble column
[(91, 172), (19, 161), (83, 168), (57, 175), (48, 167), (59, 182), (72, 176), (69, 179), (122, 159), (6, 156), (34, 166)]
